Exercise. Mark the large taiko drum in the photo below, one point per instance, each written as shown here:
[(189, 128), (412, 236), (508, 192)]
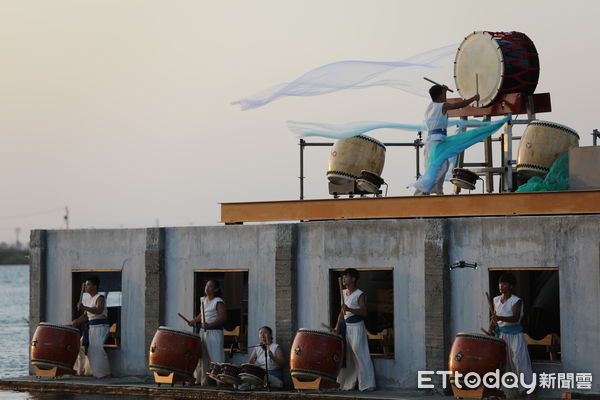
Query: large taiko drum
[(174, 351), (472, 352), (350, 156), (494, 63), (54, 346), (316, 354), (541, 144)]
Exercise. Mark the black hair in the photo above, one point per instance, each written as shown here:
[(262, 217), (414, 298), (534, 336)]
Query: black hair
[(509, 278), (95, 281), (268, 329), (216, 285), (435, 91), (351, 272)]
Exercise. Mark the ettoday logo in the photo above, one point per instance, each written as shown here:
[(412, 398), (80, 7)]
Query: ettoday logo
[(472, 380)]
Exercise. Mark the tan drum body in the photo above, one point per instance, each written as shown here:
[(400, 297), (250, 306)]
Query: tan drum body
[(174, 351), (350, 156), (55, 346), (472, 352), (316, 354), (541, 144)]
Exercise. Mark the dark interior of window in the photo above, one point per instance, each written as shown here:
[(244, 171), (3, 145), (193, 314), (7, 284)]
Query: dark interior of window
[(110, 285), (539, 290), (234, 292), (378, 286)]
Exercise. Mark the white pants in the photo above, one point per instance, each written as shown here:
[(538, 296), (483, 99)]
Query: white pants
[(517, 360), (96, 362), (212, 350), (358, 360), (440, 175)]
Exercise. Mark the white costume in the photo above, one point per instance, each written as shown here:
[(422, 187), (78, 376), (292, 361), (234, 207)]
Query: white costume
[(517, 356), (274, 381), (358, 359), (437, 122), (96, 362), (212, 340)]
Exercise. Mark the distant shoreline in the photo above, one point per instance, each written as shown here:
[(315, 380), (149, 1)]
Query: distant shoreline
[(13, 256)]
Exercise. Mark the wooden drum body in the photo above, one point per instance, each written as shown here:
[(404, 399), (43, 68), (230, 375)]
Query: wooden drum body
[(464, 178), (541, 144), (174, 351), (492, 63), (472, 352), (316, 354), (229, 374), (350, 156), (55, 346)]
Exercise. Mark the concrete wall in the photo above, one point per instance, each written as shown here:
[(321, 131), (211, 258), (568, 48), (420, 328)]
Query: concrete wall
[(101, 249), (571, 243), (288, 278)]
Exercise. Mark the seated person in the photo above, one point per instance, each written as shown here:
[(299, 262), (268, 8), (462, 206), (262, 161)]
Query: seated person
[(275, 353)]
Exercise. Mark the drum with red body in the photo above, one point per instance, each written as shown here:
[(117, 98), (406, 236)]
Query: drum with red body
[(316, 354), (215, 370), (493, 63), (55, 346), (472, 352), (174, 351)]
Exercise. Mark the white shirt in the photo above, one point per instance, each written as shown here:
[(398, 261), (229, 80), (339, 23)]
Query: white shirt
[(505, 309), (434, 117), (352, 301), (91, 302), (260, 357), (210, 309)]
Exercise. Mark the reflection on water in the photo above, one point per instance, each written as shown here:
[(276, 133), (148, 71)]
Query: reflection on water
[(10, 395)]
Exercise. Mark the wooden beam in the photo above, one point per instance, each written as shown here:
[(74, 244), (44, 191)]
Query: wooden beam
[(473, 205), (510, 103)]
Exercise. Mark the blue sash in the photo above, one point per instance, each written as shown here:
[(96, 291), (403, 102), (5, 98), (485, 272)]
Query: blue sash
[(350, 320), (509, 329), (276, 373), (438, 132), (198, 327), (85, 330)]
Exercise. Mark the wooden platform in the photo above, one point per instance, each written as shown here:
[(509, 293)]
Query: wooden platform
[(473, 205)]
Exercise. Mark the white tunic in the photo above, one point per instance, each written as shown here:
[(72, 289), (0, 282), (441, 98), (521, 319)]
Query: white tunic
[(359, 365), (96, 362), (212, 340), (260, 362), (517, 355), (434, 116)]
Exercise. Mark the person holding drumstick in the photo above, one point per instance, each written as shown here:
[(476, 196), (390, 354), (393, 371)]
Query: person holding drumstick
[(436, 119), (350, 324), (276, 357), (96, 316), (508, 312), (211, 318)]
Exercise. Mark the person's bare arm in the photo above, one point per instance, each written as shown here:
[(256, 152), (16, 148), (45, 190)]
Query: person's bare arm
[(459, 104)]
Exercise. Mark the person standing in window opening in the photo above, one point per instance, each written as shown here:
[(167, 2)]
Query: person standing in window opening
[(508, 312), (94, 334), (276, 357), (350, 324), (211, 329), (436, 119)]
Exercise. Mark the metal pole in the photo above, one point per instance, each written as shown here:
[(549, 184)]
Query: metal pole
[(302, 142), (418, 142)]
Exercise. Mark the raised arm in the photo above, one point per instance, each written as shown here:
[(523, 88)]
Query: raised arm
[(460, 104)]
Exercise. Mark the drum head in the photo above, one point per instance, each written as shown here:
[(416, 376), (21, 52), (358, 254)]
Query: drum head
[(366, 186), (251, 379), (232, 380), (462, 183), (479, 54)]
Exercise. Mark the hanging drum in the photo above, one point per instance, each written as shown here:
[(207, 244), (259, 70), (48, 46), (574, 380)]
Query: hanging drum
[(350, 156), (541, 144), (464, 178), (494, 63), (55, 346)]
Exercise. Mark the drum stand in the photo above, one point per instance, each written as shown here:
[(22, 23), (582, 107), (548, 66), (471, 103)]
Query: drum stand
[(318, 384), (479, 393), (172, 378), (52, 372)]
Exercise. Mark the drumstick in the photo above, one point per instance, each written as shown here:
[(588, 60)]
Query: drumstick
[(490, 303), (477, 86), (341, 291), (184, 318), (203, 316), (435, 83), (81, 293), (324, 325)]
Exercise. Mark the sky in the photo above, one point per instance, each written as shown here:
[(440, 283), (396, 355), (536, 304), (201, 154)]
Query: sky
[(120, 109)]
